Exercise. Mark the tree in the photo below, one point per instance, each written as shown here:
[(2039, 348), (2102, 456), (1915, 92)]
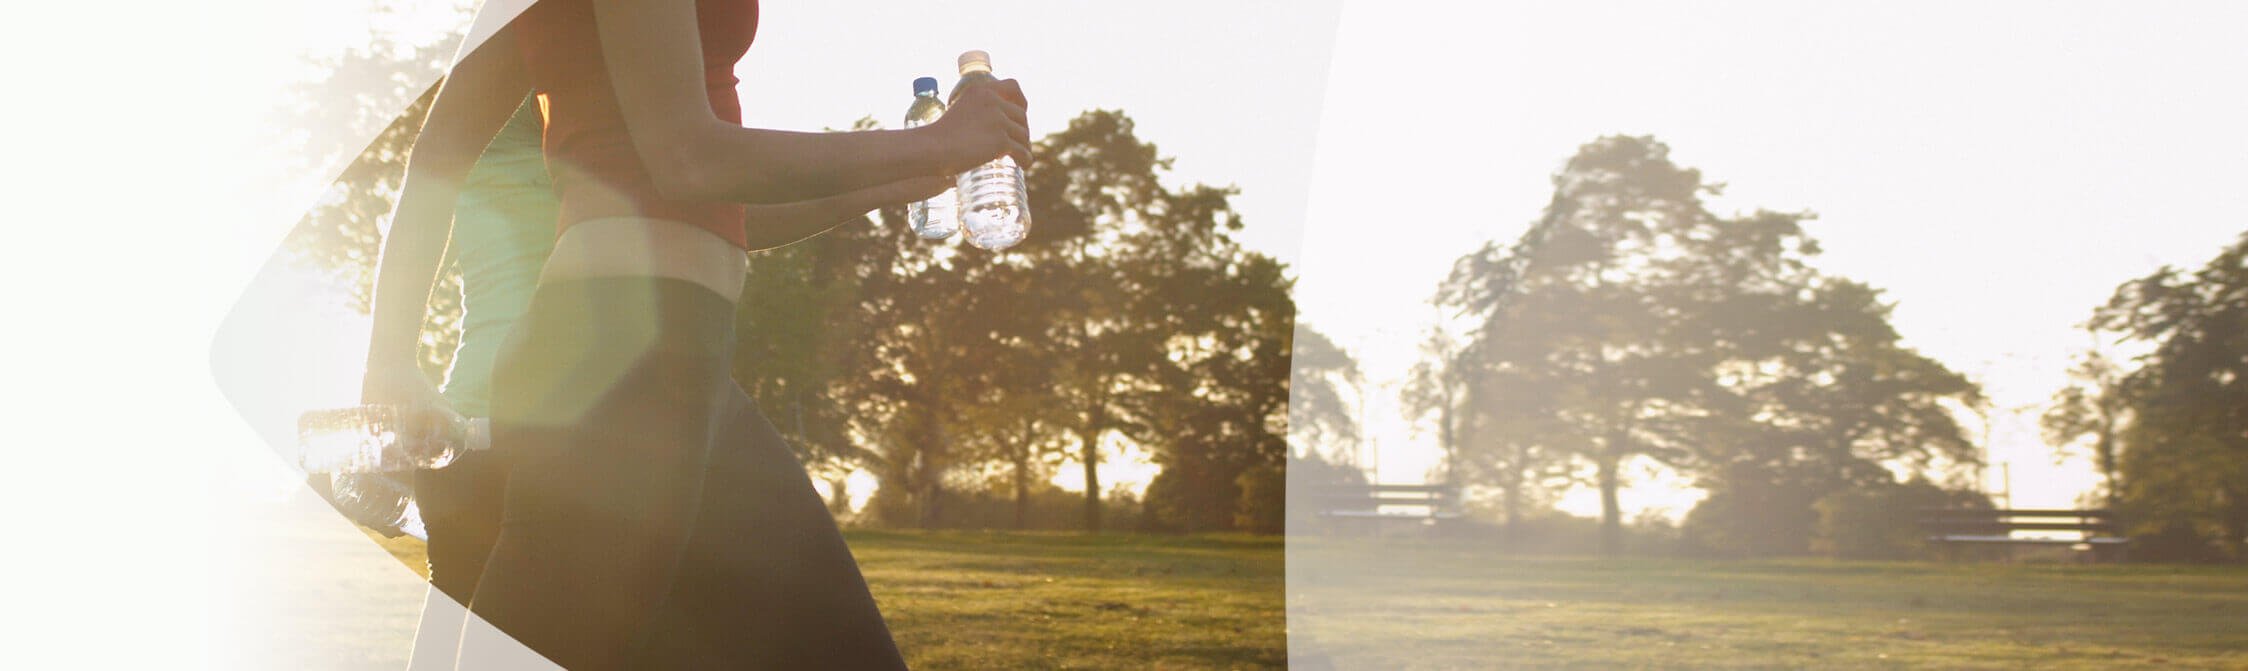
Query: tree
[(1095, 181), (1631, 323), (1240, 394), (1491, 432), (1131, 313), (1320, 425), (1436, 389), (2182, 454), (1319, 418), (1572, 306), (1837, 405), (1019, 425), (2091, 408)]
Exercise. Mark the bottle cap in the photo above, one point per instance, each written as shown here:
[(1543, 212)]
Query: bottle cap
[(926, 85), (974, 61)]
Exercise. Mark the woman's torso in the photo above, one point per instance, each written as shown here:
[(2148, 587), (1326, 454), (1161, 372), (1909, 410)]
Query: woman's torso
[(598, 172), (503, 230)]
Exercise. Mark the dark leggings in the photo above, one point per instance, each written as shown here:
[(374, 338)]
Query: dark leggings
[(653, 518)]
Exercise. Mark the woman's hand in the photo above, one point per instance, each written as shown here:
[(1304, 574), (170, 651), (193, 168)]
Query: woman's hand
[(424, 411), (987, 120)]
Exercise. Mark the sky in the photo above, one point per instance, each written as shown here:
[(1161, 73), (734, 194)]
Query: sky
[(1995, 167)]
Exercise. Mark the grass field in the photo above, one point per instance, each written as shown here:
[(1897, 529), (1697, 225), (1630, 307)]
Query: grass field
[(967, 600), (1051, 601), (1467, 609)]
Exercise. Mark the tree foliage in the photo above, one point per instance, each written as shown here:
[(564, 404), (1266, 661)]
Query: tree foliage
[(2182, 446), (1131, 313), (1631, 323), (366, 91)]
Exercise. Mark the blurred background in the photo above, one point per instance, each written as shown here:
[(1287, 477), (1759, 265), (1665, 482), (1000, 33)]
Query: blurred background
[(1703, 336)]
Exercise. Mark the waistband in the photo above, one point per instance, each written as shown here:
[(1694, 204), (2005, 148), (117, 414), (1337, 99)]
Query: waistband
[(650, 312)]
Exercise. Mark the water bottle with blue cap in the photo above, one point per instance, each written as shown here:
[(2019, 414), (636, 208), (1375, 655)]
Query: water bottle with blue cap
[(935, 218)]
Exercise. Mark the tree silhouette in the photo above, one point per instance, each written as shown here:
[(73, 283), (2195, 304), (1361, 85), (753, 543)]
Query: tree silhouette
[(2091, 409), (2182, 452), (1632, 323), (1320, 419), (1130, 312)]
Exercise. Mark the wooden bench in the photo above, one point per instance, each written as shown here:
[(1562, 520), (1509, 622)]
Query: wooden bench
[(1373, 505), (2096, 531)]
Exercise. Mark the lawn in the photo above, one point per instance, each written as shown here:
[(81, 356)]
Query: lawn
[(963, 600), (1466, 608), (969, 600)]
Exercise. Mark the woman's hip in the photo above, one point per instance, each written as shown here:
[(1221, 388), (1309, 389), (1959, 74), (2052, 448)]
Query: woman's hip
[(647, 247)]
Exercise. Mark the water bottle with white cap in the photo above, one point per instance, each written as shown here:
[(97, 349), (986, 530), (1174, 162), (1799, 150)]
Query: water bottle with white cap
[(994, 201)]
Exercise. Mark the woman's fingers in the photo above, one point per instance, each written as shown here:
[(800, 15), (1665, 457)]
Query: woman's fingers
[(995, 120), (1012, 91), (1011, 101), (1018, 144)]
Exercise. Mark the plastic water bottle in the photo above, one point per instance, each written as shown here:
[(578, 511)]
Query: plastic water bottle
[(378, 501), (385, 439), (994, 201), (938, 217)]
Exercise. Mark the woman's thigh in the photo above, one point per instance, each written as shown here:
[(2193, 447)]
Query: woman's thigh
[(606, 399), (460, 506), (768, 580)]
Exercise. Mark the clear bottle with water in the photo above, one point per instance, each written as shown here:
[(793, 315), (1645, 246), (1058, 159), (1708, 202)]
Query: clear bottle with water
[(383, 438), (936, 218), (363, 455), (380, 501), (994, 200)]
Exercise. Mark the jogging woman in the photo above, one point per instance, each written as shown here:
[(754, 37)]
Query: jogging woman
[(652, 518)]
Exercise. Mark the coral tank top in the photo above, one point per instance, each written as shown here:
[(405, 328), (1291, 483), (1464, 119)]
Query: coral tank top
[(596, 171)]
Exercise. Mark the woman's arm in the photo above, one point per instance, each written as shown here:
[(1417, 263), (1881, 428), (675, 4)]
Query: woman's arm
[(474, 101), (771, 226), (653, 51)]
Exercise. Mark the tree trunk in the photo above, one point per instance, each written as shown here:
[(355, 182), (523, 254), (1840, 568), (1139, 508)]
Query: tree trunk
[(1022, 491), (2236, 522), (1090, 441), (1511, 497), (932, 475), (839, 496), (1449, 436), (2106, 448), (1611, 513)]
